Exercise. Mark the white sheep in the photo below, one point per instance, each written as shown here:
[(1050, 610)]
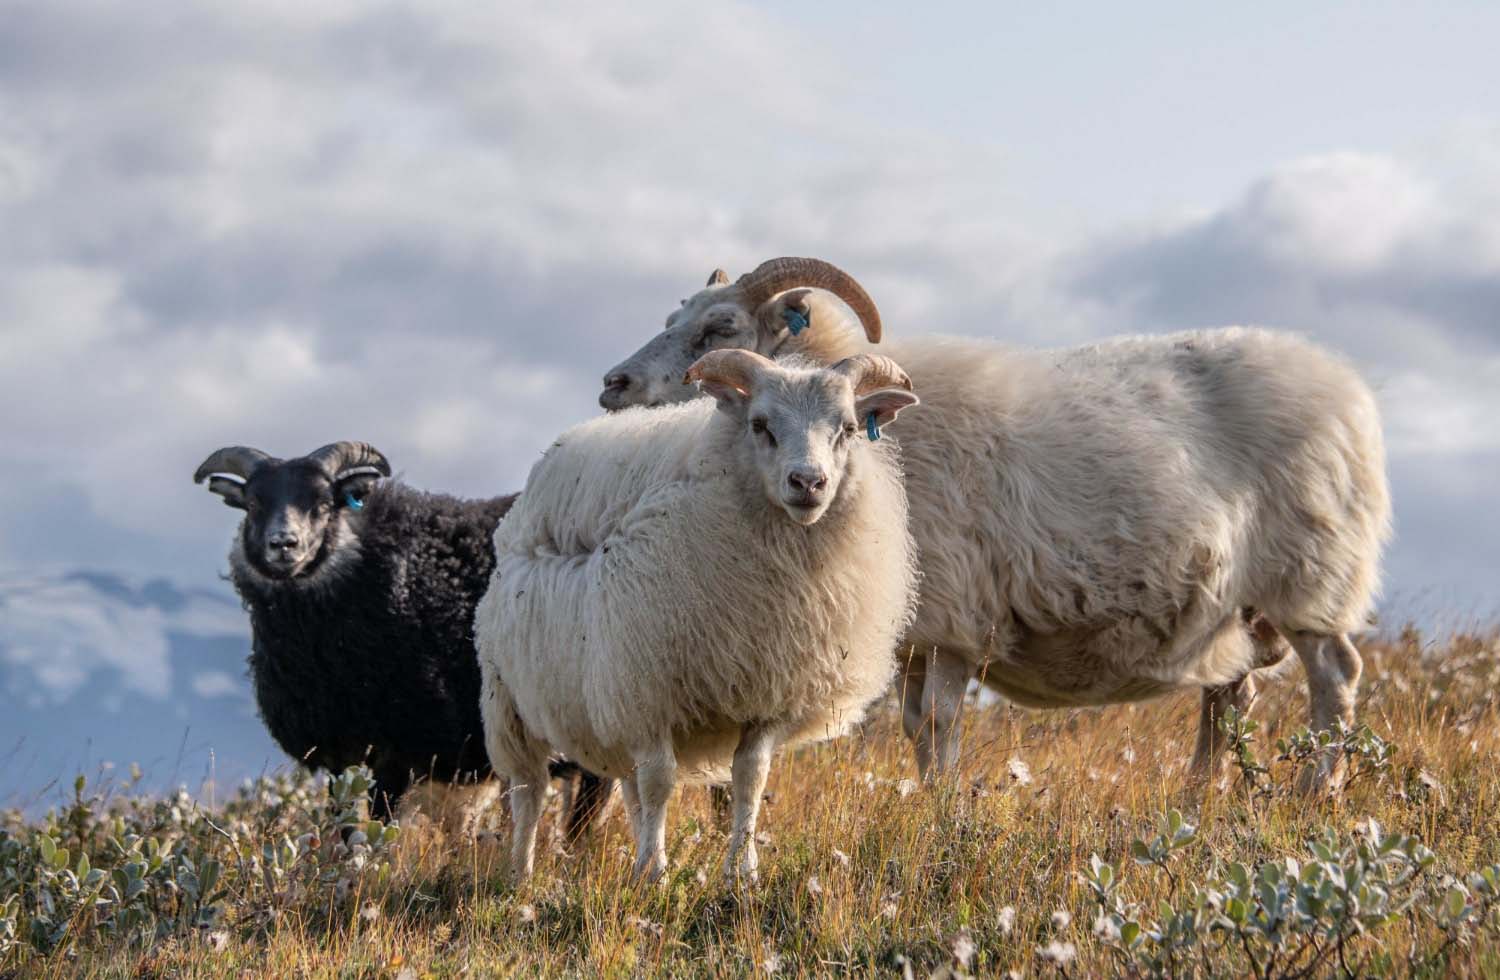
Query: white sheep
[(1094, 522), (678, 593)]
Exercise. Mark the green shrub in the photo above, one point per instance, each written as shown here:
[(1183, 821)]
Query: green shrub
[(135, 871)]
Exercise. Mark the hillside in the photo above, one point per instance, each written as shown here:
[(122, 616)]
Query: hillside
[(1058, 853)]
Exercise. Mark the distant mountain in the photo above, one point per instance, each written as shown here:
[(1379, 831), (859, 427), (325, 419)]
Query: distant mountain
[(100, 669)]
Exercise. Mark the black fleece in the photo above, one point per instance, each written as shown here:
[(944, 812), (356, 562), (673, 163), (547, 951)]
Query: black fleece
[(374, 661)]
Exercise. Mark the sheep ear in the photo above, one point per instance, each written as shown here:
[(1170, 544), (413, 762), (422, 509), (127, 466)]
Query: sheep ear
[(885, 404), (726, 394), (232, 491), (791, 312), (728, 375)]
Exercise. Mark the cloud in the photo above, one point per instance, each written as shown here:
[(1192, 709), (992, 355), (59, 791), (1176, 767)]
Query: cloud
[(310, 222), (429, 228), (433, 227), (61, 631)]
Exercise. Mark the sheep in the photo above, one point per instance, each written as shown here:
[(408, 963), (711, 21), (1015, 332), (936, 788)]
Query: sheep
[(718, 581), (361, 598), (1094, 522)]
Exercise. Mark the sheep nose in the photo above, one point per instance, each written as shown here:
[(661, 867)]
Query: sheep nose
[(283, 540), (807, 482), (616, 383)]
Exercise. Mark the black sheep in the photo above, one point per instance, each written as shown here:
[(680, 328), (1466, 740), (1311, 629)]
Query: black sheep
[(361, 597)]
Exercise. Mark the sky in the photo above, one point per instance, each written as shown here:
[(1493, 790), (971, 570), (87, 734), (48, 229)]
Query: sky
[(434, 226)]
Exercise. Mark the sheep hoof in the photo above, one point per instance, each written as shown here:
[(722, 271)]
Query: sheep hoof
[(1205, 768), (650, 871), (1325, 777), (746, 870), (740, 877)]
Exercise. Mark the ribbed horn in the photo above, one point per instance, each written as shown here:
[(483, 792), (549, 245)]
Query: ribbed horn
[(237, 461), (776, 275), (717, 278), (734, 367), (339, 458), (871, 372)]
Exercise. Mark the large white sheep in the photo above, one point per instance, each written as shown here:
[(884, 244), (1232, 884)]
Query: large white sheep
[(677, 593), (1094, 522)]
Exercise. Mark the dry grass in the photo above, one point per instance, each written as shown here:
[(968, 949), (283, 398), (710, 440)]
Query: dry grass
[(864, 873)]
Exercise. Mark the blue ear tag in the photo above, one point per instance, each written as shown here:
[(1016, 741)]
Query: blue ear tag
[(796, 320), (870, 429), (354, 502)]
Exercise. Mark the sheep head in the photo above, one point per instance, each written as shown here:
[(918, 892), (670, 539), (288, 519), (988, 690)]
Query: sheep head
[(299, 512), (798, 425), (757, 312)]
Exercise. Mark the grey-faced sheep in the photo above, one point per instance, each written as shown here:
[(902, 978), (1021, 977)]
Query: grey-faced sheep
[(680, 592), (361, 596), (1093, 523)]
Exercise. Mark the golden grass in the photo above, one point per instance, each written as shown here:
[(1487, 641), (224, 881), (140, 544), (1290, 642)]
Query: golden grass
[(864, 873)]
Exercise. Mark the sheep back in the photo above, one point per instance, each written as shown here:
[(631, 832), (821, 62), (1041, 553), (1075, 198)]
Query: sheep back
[(641, 559), (1123, 499)]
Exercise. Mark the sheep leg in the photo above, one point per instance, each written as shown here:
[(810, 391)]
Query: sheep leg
[(632, 799), (587, 802), (566, 778), (752, 764), (1333, 667), (655, 778), (385, 795), (1216, 704), (1269, 649), (528, 788), (942, 701), (521, 759), (722, 803), (913, 679)]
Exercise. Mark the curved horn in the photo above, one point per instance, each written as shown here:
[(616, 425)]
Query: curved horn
[(717, 278), (870, 372), (338, 458), (776, 275), (733, 367), (237, 461)]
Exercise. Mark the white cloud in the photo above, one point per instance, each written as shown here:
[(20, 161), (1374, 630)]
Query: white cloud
[(435, 227), (61, 632), (1429, 415), (217, 684), (1345, 213)]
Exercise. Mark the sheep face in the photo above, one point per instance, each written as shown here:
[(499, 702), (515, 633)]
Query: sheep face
[(758, 312), (796, 427), (711, 320), (293, 519), (301, 515)]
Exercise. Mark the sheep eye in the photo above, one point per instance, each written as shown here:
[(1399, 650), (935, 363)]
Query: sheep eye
[(759, 427), (713, 331), (848, 429)]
